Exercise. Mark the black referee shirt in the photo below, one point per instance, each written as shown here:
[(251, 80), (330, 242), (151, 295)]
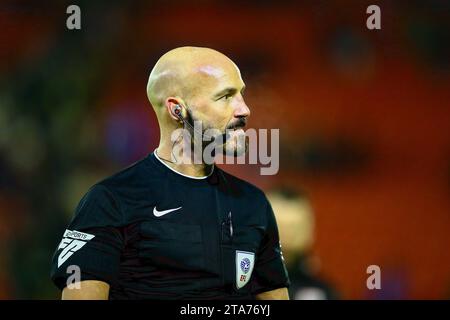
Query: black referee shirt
[(152, 233)]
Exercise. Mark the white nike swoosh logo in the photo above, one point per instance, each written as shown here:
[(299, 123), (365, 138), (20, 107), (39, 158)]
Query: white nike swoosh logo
[(161, 213)]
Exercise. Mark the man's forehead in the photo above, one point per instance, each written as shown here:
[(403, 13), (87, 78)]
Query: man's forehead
[(211, 71), (218, 69), (221, 75)]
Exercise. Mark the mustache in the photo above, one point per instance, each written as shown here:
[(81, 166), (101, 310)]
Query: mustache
[(238, 124)]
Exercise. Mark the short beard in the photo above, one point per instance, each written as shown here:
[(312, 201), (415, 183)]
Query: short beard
[(233, 142), (236, 146)]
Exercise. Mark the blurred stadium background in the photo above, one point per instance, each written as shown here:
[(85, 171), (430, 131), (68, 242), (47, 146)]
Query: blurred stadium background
[(364, 120)]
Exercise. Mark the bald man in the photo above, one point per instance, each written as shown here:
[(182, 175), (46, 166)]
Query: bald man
[(169, 227)]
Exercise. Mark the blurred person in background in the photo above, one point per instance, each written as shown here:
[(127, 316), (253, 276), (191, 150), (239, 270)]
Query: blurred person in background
[(295, 219)]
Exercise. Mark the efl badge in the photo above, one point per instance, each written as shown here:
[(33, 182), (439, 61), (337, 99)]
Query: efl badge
[(245, 262)]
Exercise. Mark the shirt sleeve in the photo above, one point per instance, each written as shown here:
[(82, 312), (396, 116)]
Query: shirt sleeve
[(93, 241), (270, 271)]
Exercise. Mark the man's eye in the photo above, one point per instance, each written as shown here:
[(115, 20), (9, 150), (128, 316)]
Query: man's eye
[(227, 96)]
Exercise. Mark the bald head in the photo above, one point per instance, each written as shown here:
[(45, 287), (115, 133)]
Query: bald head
[(190, 85), (184, 71)]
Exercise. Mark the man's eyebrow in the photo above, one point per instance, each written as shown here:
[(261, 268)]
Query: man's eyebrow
[(228, 90)]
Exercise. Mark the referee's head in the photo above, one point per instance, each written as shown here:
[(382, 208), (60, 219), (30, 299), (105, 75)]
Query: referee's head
[(195, 84)]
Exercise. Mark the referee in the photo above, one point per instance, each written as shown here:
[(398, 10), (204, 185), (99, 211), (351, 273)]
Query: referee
[(167, 228)]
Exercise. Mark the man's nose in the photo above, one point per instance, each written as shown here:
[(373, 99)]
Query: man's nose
[(242, 110)]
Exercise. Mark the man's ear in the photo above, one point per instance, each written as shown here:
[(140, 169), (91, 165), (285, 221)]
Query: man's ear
[(175, 108)]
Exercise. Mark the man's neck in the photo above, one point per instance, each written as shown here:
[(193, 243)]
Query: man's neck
[(182, 164)]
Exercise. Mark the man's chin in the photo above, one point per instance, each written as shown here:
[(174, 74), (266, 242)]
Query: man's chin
[(237, 144)]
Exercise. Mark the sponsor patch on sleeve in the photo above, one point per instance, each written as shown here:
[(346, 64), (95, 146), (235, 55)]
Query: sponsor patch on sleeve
[(72, 242)]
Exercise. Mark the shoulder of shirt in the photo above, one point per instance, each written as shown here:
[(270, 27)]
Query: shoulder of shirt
[(98, 207), (120, 185), (247, 187), (130, 177)]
